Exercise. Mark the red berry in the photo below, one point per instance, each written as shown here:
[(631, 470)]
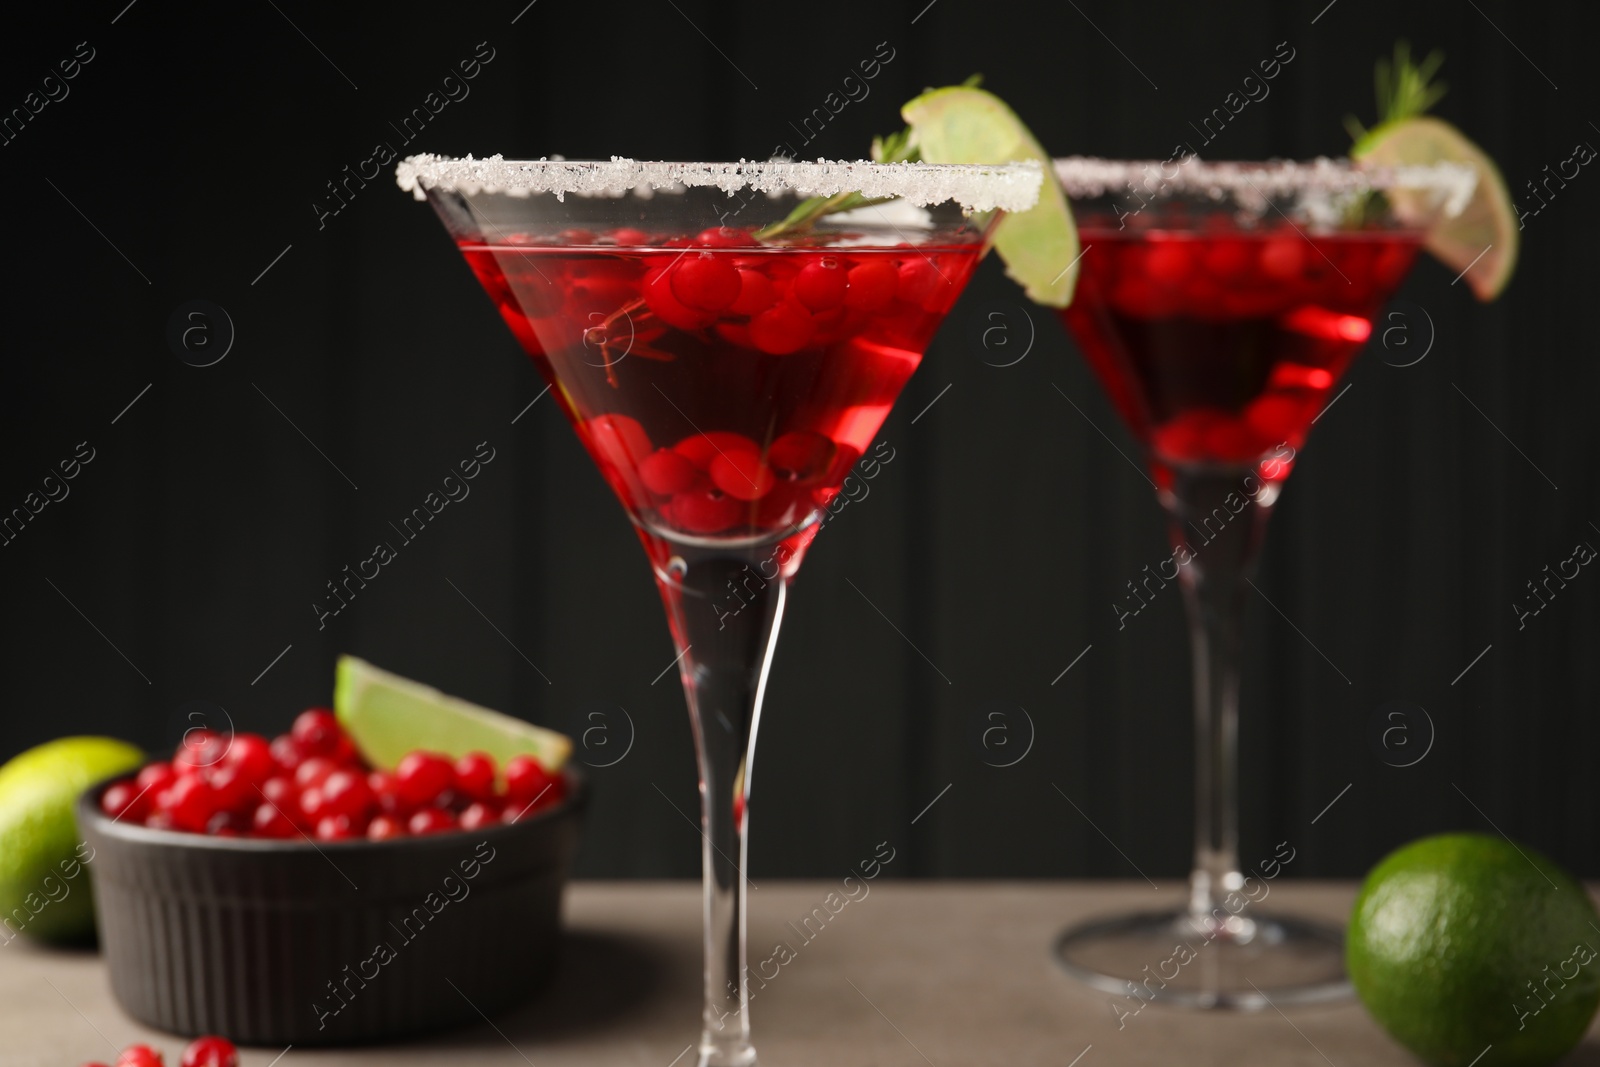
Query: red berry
[(189, 803), (1283, 258), (666, 306), (821, 285), (210, 1051), (339, 828), (421, 777), (1168, 262), (475, 776), (628, 236), (705, 511), (801, 456), (314, 772), (346, 793), (316, 732), (309, 806), (479, 815), (619, 440), (756, 293), (270, 821), (278, 790), (385, 792), (725, 237), (139, 1056), (742, 474), (227, 824), (200, 748), (666, 471), (872, 285), (251, 756), (346, 754), (1225, 260), (526, 779), (919, 282), (125, 799), (702, 448), (155, 777), (431, 821), (233, 793), (384, 827), (705, 282), (286, 752), (781, 330)]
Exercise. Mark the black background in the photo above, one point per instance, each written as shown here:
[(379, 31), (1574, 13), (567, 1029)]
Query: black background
[(190, 550)]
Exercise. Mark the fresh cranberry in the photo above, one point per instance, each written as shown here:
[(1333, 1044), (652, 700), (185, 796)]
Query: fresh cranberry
[(347, 793), (756, 293), (251, 756), (479, 814), (210, 1051), (781, 330), (620, 440), (314, 772), (801, 456), (155, 777), (666, 471), (724, 237), (821, 285), (200, 748), (449, 800), (339, 828), (422, 776), (705, 282), (430, 821), (526, 779), (227, 824), (278, 790), (308, 806), (233, 793), (286, 752), (1283, 258), (385, 792), (741, 474), (189, 803), (658, 294), (125, 799), (139, 1056), (475, 776), (1226, 259), (270, 821), (316, 732), (705, 511), (1168, 262), (872, 285), (384, 827)]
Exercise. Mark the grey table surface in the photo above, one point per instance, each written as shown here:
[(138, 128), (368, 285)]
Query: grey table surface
[(921, 974)]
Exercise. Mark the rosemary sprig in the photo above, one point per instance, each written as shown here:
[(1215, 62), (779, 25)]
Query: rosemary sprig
[(1405, 88)]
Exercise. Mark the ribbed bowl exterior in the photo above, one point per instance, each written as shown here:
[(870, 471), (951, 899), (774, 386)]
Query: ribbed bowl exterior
[(286, 942)]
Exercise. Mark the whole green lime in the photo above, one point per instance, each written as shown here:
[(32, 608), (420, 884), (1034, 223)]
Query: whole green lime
[(1463, 943), (44, 881)]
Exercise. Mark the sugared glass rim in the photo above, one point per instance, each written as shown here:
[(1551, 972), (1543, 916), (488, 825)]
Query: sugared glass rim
[(1008, 187), (1086, 177)]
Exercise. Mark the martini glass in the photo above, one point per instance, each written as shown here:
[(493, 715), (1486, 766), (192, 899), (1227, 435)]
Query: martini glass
[(725, 374), (1219, 304)]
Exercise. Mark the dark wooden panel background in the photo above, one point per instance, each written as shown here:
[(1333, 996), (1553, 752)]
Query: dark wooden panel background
[(189, 157)]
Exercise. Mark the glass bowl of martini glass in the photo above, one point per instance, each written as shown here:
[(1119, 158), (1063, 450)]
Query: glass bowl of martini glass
[(726, 339), (1219, 304)]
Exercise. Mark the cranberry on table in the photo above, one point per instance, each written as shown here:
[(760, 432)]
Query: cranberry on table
[(210, 1051), (139, 1056), (422, 776)]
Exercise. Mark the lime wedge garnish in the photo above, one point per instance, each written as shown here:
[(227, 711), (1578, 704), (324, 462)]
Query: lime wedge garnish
[(388, 716), (967, 125), (1482, 240)]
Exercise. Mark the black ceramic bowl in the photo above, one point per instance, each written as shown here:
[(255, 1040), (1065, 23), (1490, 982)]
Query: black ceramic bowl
[(277, 942)]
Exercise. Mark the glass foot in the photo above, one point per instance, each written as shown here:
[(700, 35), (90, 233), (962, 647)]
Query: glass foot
[(1244, 962)]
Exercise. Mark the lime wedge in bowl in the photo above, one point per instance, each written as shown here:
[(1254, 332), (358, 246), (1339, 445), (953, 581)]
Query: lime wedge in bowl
[(388, 716), (1481, 242), (962, 124)]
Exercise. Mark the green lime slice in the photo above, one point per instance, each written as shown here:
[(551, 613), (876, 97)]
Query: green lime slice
[(43, 890), (959, 124), (388, 716), (1482, 241)]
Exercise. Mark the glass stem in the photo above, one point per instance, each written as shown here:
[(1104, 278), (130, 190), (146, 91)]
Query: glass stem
[(1218, 523), (725, 614)]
